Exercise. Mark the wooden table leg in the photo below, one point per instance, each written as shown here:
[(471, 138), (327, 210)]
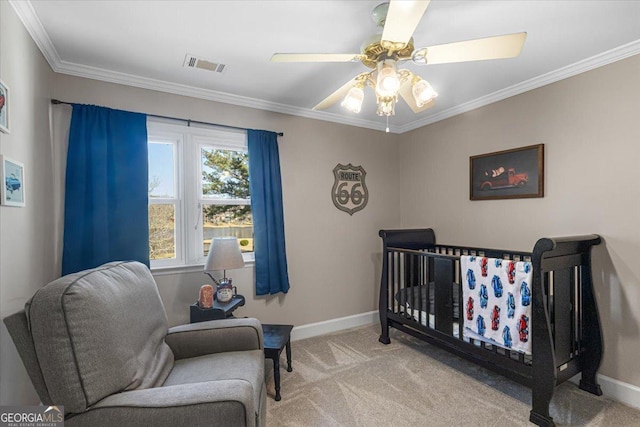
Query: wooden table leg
[(276, 338), (276, 376), (289, 368)]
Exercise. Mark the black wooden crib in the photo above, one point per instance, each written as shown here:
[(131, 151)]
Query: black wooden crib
[(420, 294)]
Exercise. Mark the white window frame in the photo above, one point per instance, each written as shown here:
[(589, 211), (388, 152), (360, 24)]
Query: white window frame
[(189, 141), (169, 136)]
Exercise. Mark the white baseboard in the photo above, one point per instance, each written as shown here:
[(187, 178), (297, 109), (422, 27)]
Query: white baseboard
[(626, 393), (622, 392), (333, 325)]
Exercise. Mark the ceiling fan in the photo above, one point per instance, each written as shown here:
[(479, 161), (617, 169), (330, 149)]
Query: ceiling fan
[(383, 51)]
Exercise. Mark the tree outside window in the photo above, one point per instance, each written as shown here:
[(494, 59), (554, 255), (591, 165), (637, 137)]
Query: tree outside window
[(226, 205)]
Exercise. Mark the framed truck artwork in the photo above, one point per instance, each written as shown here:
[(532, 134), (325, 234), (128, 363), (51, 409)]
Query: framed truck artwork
[(4, 108), (12, 172), (511, 174)]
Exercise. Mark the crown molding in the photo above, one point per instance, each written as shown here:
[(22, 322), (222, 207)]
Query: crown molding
[(212, 95), (571, 70), (27, 15), (36, 30)]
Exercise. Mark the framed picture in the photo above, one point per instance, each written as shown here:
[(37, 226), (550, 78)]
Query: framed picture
[(4, 107), (12, 192), (509, 174)]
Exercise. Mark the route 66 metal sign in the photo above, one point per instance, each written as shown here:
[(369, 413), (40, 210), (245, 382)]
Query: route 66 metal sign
[(349, 192)]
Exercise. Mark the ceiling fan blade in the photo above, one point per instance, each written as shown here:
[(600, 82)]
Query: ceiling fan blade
[(340, 93), (407, 95), (402, 19), (315, 57), (498, 47)]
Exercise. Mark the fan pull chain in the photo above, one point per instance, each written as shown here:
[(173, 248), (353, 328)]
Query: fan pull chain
[(387, 130)]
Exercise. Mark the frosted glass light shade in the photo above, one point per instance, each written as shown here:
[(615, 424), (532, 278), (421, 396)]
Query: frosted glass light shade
[(423, 92), (386, 106), (224, 254), (387, 82), (353, 100)]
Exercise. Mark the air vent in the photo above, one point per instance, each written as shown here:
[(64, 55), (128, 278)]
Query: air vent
[(192, 61)]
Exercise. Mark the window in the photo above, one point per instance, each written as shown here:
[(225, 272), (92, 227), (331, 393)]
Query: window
[(164, 203), (198, 190)]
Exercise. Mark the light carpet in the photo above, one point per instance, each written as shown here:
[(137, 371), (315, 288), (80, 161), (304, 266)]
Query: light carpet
[(348, 378)]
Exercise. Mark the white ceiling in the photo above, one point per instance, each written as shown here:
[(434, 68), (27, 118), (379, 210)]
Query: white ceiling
[(144, 43)]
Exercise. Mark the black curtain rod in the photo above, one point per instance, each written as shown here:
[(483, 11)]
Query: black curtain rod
[(188, 121)]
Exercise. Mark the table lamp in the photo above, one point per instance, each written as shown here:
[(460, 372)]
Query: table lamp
[(224, 254)]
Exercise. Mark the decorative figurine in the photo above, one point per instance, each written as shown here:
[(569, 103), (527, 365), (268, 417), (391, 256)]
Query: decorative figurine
[(205, 299), (225, 291)]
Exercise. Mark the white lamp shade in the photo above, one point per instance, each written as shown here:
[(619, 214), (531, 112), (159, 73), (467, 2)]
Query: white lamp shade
[(224, 254), (353, 100)]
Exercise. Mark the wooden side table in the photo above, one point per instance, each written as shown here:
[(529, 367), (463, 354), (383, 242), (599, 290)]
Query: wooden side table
[(217, 312), (277, 337)]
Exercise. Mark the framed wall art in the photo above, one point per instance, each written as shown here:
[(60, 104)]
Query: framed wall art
[(4, 108), (509, 174), (12, 191)]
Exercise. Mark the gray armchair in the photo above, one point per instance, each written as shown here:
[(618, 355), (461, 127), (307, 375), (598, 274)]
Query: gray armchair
[(97, 343)]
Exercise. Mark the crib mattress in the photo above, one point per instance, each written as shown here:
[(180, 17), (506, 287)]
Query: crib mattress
[(413, 301), (416, 297)]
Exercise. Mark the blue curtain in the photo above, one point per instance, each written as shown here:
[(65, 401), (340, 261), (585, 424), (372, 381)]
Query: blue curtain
[(266, 206), (106, 190)]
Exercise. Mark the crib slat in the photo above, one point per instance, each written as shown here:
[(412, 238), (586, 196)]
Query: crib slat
[(562, 290), (461, 311), (392, 299), (443, 294), (430, 278), (398, 280), (578, 308)]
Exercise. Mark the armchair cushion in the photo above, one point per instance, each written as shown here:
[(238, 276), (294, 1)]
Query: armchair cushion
[(220, 403), (215, 336), (245, 366), (99, 332)]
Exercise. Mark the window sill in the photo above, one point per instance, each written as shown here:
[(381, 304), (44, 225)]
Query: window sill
[(183, 269)]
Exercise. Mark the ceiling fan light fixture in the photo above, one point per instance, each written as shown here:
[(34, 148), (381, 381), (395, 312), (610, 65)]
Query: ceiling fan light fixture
[(353, 100), (422, 92), (388, 81), (381, 52)]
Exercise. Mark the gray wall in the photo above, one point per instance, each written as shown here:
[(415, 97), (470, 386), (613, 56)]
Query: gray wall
[(591, 130), (26, 236)]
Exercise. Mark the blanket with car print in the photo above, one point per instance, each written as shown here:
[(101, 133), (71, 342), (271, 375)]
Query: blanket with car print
[(496, 294)]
